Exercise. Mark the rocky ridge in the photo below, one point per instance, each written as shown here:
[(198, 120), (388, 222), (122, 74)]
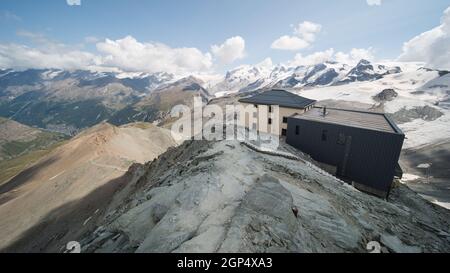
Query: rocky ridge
[(225, 197)]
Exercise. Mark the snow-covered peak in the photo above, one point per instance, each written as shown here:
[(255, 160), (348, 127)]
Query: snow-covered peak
[(244, 75), (367, 71), (264, 75)]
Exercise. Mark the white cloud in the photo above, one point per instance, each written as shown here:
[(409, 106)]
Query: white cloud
[(307, 30), (22, 57), (73, 2), (125, 54), (304, 34), (373, 2), (311, 59), (231, 50), (431, 47), (289, 43), (350, 58), (355, 55), (130, 55)]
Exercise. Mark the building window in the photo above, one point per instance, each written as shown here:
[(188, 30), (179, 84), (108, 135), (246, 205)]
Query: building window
[(283, 132), (341, 139), (269, 121), (270, 109), (256, 105), (213, 129), (297, 130), (324, 135), (284, 119)]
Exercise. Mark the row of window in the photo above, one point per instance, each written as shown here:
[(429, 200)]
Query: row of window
[(270, 107), (269, 121), (341, 136), (340, 140)]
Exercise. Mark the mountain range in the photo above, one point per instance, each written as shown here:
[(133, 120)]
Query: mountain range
[(250, 78), (69, 101), (126, 186), (94, 160), (216, 196)]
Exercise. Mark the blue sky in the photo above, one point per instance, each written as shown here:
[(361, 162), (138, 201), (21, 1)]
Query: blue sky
[(345, 24)]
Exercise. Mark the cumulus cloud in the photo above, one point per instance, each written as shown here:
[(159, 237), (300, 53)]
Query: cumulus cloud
[(307, 31), (355, 55), (304, 34), (311, 59), (287, 42), (350, 58), (231, 50), (431, 47), (373, 2), (130, 55), (73, 2), (125, 54), (22, 57)]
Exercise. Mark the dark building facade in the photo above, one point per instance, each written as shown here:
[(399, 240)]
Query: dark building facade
[(363, 146)]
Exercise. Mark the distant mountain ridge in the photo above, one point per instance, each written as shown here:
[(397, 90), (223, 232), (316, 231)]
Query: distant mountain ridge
[(69, 101), (139, 81), (92, 161), (247, 78), (156, 106), (17, 139)]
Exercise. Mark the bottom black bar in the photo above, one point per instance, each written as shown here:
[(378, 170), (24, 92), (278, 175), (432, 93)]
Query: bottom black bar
[(220, 262)]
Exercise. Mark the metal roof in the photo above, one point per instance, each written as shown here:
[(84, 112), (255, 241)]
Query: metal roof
[(279, 97), (352, 118)]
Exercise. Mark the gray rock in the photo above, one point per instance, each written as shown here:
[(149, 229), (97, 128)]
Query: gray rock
[(264, 221), (244, 202), (385, 95), (427, 113), (396, 245)]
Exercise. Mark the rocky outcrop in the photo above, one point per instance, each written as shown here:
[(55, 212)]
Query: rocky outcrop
[(385, 95), (225, 197), (427, 113)]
